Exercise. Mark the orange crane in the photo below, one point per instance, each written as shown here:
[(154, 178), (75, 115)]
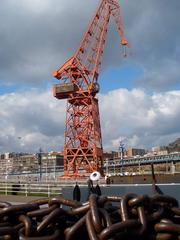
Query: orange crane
[(83, 151)]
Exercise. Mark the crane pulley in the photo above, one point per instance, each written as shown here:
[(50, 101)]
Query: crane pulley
[(83, 150)]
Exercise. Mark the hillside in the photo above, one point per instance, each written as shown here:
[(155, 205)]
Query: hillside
[(174, 146)]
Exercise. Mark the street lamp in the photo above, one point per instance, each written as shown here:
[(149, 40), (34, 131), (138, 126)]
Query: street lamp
[(122, 150), (39, 157)]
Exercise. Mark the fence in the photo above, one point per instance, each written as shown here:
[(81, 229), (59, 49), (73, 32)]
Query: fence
[(30, 189)]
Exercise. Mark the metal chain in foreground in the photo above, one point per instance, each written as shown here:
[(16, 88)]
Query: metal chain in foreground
[(119, 217)]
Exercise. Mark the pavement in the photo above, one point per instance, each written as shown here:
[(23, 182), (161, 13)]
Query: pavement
[(17, 199)]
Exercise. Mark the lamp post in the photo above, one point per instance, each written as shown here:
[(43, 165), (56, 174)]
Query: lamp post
[(6, 177), (122, 150), (54, 169), (39, 157), (46, 171), (107, 169)]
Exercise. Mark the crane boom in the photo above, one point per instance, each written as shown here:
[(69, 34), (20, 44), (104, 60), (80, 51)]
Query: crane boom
[(79, 75), (89, 54), (92, 46)]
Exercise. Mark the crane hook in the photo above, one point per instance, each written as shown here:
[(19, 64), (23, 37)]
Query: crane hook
[(124, 51)]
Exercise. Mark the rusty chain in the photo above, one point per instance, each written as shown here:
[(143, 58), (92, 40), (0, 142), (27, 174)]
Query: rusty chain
[(101, 217)]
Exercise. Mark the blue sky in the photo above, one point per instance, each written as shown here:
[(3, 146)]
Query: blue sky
[(111, 79), (123, 77)]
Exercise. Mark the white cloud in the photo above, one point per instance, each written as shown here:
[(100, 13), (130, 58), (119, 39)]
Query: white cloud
[(36, 6), (34, 116), (141, 120)]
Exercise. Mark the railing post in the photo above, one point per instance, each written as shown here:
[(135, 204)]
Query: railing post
[(26, 190), (6, 189), (49, 192)]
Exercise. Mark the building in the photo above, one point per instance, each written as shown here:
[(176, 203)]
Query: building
[(159, 150), (174, 146), (15, 163), (132, 152), (110, 155), (53, 159)]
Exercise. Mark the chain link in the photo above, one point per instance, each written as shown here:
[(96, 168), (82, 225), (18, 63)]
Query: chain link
[(100, 218)]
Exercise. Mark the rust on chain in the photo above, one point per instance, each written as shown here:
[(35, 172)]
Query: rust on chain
[(106, 217), (102, 217), (79, 210), (138, 201), (124, 206), (55, 236), (118, 227), (90, 227), (63, 201), (51, 218), (71, 231), (164, 236), (156, 215), (18, 208), (163, 199), (167, 228), (40, 202), (27, 225), (42, 212), (143, 220), (95, 213), (10, 231)]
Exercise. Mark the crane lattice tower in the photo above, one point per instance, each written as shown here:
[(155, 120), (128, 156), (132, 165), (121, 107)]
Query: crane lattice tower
[(83, 151)]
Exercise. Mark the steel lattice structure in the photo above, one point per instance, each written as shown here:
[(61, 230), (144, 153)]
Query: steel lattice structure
[(83, 151)]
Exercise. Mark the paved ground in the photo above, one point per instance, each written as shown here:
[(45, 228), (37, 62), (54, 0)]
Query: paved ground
[(17, 199)]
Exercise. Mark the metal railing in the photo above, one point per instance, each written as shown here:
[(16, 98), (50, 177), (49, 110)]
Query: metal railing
[(158, 159), (30, 189)]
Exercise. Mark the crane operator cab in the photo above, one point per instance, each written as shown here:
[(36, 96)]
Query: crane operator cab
[(95, 88)]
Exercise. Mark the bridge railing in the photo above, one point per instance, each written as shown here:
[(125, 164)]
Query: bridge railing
[(144, 160)]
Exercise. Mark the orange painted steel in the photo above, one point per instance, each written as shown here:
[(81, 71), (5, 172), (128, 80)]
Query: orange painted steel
[(83, 151)]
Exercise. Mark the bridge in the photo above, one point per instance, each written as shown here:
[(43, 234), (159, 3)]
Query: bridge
[(158, 159)]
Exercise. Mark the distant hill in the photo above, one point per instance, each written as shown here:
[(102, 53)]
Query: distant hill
[(174, 146)]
